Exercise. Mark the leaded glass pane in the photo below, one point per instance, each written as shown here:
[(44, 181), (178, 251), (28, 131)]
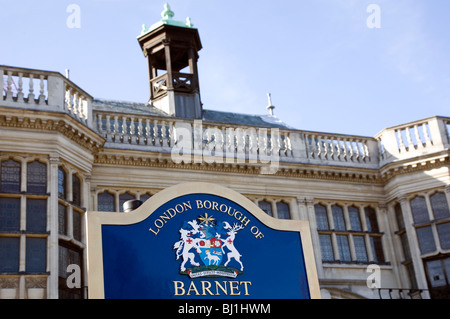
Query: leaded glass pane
[(266, 207), (326, 247), (426, 240), (9, 255), (9, 214), (61, 183), (105, 202), (405, 246), (377, 249), (338, 217), (419, 210), (399, 216), (444, 235), (144, 197), (283, 211), (36, 254), (371, 220), (62, 219), (124, 198), (10, 176), (355, 221), (76, 190), (439, 205), (77, 225), (360, 248), (37, 215), (321, 217), (344, 248), (36, 178)]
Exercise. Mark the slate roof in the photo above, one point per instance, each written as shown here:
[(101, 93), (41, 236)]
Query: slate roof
[(126, 107)]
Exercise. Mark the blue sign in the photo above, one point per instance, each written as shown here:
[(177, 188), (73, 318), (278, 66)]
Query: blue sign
[(201, 245)]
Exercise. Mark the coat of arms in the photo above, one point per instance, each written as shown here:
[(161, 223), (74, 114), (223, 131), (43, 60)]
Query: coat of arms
[(204, 246)]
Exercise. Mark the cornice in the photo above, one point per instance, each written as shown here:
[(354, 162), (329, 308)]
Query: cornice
[(53, 122)]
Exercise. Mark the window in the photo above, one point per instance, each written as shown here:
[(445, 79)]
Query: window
[(338, 217), (321, 217), (9, 215), (283, 211), (9, 254), (69, 255), (124, 198), (360, 248), (61, 183), (76, 219), (355, 221), (266, 207), (431, 222), (10, 174), (399, 216), (76, 190), (419, 210), (36, 255), (145, 197), (371, 220), (439, 206), (105, 202), (326, 247), (36, 178), (344, 248), (352, 243), (62, 219), (37, 215)]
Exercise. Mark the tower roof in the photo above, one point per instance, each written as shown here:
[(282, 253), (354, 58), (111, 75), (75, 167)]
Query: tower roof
[(167, 19)]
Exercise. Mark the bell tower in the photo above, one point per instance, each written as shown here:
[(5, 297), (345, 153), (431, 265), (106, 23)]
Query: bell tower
[(171, 48)]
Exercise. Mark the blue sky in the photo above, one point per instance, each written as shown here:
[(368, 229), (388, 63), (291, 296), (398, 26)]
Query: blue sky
[(326, 69)]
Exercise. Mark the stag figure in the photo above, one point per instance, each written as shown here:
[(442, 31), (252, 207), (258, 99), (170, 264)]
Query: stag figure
[(229, 243)]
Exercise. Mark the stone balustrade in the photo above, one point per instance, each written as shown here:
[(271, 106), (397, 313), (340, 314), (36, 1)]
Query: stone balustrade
[(45, 91), (52, 92), (430, 135)]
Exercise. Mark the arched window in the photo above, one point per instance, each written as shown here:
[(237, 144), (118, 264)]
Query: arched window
[(62, 183), (338, 217), (124, 198), (371, 220), (439, 206), (355, 221), (76, 190), (10, 176), (36, 178), (266, 207), (283, 211), (105, 202), (321, 217), (419, 210)]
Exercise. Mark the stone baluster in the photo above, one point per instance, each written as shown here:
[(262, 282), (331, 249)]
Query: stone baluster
[(157, 139), (109, 135), (418, 137), (31, 90), (20, 89), (425, 133), (116, 135), (9, 91), (41, 99), (164, 134), (148, 133), (133, 136), (140, 137)]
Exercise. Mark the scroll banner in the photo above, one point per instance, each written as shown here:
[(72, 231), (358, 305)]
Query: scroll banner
[(199, 241)]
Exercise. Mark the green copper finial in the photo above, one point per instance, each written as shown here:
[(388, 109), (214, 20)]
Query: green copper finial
[(167, 14), (189, 22)]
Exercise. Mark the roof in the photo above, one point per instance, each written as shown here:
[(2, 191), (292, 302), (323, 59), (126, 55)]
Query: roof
[(146, 109)]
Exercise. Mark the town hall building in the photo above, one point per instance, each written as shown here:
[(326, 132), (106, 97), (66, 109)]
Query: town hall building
[(378, 207)]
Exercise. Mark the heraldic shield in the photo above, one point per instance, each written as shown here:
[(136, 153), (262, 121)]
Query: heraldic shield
[(209, 241)]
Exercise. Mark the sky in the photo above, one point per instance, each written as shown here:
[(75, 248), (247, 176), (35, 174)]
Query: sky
[(340, 66)]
